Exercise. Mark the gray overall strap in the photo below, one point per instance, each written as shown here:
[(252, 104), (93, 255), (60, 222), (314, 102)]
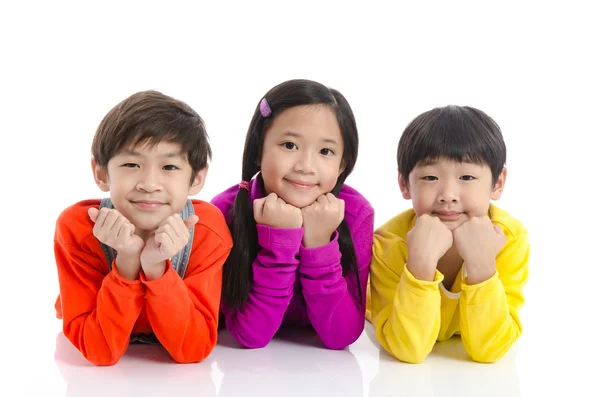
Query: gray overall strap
[(179, 261)]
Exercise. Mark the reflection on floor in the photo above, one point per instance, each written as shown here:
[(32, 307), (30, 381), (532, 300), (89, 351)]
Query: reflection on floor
[(293, 364)]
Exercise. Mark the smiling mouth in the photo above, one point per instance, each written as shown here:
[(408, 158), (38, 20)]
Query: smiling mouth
[(301, 185), (148, 205), (448, 215)]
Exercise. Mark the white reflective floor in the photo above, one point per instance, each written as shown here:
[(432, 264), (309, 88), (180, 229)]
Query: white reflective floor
[(295, 365), (292, 365)]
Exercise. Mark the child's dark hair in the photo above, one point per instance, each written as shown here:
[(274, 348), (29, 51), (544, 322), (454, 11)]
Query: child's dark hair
[(459, 133), (148, 118), (237, 271)]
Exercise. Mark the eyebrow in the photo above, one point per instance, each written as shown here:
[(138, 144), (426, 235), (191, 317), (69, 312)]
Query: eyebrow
[(133, 152), (296, 135), (433, 163)]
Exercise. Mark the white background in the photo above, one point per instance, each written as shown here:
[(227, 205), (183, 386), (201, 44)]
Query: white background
[(532, 66)]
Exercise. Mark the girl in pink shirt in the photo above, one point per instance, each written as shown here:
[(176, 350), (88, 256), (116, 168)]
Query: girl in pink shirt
[(302, 238)]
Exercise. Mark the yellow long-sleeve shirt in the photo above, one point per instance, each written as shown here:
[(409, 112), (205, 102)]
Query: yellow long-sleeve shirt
[(409, 315)]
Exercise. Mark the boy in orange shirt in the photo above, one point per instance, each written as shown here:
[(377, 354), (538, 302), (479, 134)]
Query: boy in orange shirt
[(146, 264)]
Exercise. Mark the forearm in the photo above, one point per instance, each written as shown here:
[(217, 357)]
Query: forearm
[(100, 325), (184, 314), (273, 276), (408, 327), (488, 328), (334, 303)]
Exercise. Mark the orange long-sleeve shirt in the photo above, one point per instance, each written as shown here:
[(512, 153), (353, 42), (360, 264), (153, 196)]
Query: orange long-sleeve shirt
[(101, 309)]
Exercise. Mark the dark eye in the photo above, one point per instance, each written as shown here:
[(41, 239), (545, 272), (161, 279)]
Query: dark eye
[(327, 152), (170, 167), (430, 178), (467, 178), (289, 145), (130, 165)]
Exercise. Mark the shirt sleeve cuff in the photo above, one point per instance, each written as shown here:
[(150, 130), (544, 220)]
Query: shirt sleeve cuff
[(420, 287), (328, 253), (269, 237), (162, 284), (478, 293), (122, 286)]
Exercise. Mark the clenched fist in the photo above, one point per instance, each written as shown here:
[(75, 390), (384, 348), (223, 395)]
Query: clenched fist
[(427, 242), (273, 211), (478, 241), (169, 238), (114, 230), (321, 219)]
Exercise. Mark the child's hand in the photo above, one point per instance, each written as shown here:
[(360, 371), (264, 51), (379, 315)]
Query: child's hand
[(169, 238), (114, 230), (320, 219), (427, 242), (478, 242), (273, 211)]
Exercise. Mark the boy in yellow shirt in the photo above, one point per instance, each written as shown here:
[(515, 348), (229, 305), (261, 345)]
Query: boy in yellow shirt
[(455, 263)]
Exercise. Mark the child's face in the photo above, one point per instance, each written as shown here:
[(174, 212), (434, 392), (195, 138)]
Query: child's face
[(148, 184), (302, 154), (451, 191)]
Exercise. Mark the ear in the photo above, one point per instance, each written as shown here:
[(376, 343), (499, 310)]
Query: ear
[(258, 155), (342, 168), (403, 186), (499, 186), (198, 182), (100, 176)]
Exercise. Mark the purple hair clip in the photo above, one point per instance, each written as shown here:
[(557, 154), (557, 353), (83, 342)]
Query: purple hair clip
[(265, 109)]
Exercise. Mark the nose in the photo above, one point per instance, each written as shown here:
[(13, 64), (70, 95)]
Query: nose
[(305, 162), (149, 181), (449, 192)]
